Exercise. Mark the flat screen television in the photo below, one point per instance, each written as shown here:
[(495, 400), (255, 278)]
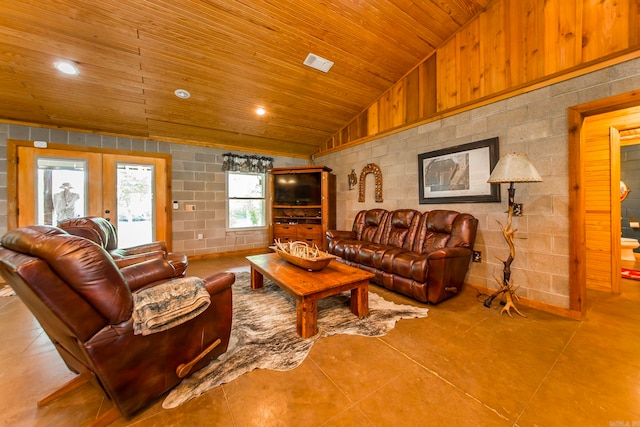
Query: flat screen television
[(298, 189)]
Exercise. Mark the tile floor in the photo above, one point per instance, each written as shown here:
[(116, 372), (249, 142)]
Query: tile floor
[(464, 365)]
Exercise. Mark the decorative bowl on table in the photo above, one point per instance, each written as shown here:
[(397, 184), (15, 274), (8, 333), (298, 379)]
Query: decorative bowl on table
[(313, 259)]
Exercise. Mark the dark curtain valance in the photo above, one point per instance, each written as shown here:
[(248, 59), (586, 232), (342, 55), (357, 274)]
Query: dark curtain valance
[(255, 164)]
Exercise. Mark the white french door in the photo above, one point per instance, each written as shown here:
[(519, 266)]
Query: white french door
[(130, 191)]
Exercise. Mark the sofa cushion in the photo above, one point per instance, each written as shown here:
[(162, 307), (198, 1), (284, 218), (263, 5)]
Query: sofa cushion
[(411, 265), (401, 227), (434, 231), (369, 225), (399, 232)]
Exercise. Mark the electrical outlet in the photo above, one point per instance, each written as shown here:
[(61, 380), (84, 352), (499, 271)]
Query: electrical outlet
[(189, 207), (517, 209), (477, 256)]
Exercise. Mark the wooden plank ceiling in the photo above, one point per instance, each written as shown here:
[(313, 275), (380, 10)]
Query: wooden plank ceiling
[(232, 56)]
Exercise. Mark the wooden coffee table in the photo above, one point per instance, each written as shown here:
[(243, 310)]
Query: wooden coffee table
[(307, 287)]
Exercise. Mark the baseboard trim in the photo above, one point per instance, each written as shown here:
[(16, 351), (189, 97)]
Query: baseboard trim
[(538, 305), (243, 252)]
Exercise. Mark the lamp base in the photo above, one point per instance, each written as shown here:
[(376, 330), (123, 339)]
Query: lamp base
[(506, 290), (508, 296)]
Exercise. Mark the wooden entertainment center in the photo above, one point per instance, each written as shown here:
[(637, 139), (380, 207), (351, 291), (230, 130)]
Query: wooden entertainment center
[(302, 204)]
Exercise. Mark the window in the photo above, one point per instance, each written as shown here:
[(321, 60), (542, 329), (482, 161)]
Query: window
[(246, 200)]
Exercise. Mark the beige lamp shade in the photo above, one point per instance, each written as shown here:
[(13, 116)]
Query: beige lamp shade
[(514, 167)]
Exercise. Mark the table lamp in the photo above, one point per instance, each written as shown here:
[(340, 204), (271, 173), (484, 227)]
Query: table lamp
[(512, 168)]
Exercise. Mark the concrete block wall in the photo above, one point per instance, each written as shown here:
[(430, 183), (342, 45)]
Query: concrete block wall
[(197, 179), (534, 123)]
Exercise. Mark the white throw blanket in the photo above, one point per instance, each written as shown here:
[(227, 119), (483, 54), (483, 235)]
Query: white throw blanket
[(169, 304)]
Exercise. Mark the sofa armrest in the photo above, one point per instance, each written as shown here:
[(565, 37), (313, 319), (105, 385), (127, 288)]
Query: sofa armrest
[(144, 273), (141, 249), (218, 282), (449, 253), (340, 234), (446, 271), (125, 261)]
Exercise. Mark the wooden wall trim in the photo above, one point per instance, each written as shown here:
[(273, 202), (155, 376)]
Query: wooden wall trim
[(560, 77), (577, 233), (511, 48)]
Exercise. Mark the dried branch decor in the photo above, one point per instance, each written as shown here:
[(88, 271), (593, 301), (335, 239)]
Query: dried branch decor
[(303, 255)]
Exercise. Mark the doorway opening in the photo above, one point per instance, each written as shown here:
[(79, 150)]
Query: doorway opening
[(594, 185)]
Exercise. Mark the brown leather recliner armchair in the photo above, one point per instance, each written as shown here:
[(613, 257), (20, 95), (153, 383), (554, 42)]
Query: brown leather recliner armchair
[(84, 303), (102, 232)]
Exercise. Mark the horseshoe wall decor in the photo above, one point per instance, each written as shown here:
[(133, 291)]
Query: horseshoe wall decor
[(375, 170)]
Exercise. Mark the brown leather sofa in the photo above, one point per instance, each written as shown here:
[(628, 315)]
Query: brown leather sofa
[(422, 255), (102, 232), (84, 303)]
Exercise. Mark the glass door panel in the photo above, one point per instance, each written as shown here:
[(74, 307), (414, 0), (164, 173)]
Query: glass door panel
[(135, 197), (61, 189), (57, 184), (135, 206)]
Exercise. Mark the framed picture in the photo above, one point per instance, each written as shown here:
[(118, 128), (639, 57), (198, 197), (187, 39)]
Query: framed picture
[(459, 174)]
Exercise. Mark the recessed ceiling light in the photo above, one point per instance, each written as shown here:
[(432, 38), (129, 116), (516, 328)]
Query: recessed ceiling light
[(182, 93), (260, 111), (67, 67)]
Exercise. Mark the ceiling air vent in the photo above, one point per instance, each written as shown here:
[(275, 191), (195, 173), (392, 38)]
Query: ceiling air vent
[(317, 62)]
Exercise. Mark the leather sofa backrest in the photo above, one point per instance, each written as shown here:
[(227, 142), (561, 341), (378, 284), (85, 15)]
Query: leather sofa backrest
[(437, 231), (401, 227), (85, 267), (94, 228), (463, 232), (369, 225), (48, 296)]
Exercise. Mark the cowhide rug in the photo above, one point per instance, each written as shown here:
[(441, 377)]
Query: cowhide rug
[(263, 334)]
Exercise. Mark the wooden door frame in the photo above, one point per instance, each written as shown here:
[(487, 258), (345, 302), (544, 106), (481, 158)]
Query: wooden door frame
[(615, 209), (577, 231), (12, 176)]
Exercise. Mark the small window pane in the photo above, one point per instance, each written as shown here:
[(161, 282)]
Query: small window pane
[(134, 186), (60, 188), (246, 185), (246, 213)]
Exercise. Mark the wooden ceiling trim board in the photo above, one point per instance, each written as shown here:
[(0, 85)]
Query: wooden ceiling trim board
[(316, 85), (317, 89), (361, 21), (69, 29), (43, 52), (229, 91), (440, 27), (206, 114), (243, 42), (223, 137), (314, 20), (225, 98), (460, 12), (309, 134), (233, 55)]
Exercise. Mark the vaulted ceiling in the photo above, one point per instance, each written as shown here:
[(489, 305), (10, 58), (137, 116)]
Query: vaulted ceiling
[(233, 56)]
